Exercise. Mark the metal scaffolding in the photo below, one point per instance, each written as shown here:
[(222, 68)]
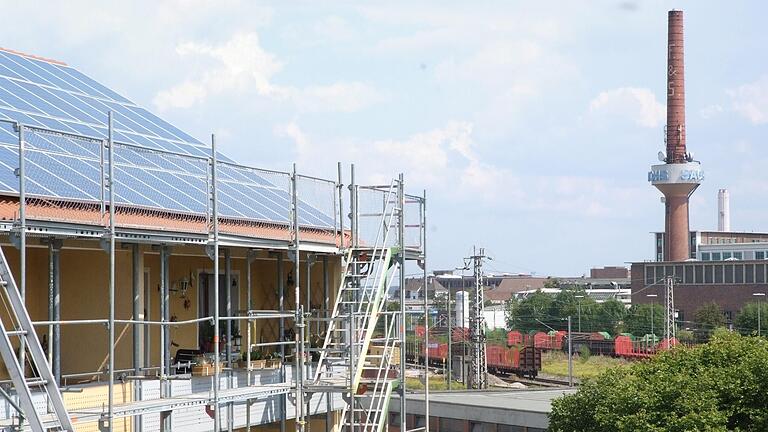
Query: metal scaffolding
[(376, 249)]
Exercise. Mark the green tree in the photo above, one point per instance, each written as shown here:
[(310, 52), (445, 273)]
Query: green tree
[(719, 386), (529, 313), (610, 316), (746, 320), (638, 319), (707, 318)]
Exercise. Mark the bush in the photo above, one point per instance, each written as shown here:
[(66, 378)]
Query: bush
[(584, 353), (719, 386), (686, 336)]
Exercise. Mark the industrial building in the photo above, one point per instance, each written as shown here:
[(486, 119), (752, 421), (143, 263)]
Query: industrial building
[(149, 282), (692, 268)]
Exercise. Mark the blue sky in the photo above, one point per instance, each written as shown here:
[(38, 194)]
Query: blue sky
[(531, 124)]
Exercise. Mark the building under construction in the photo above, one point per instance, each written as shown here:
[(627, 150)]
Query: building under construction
[(150, 282)]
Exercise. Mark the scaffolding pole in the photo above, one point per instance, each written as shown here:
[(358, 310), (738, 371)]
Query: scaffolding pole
[(165, 333), (54, 306), (111, 183), (249, 258), (423, 223), (228, 298), (281, 337), (216, 325), (353, 197), (401, 241), (137, 361), (298, 371), (340, 186), (22, 233), (326, 314)]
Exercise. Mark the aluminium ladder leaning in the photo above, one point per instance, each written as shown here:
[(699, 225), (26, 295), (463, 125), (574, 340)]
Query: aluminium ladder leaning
[(346, 362), (21, 324)]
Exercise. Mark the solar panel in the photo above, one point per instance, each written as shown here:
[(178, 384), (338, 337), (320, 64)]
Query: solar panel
[(48, 95)]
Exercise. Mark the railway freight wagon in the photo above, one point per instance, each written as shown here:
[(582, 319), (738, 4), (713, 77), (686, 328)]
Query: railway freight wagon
[(524, 361), (545, 341), (599, 343)]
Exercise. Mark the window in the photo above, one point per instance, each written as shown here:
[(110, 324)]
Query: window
[(728, 316), (759, 255), (649, 275), (718, 274), (726, 255), (738, 255), (705, 256), (760, 273), (749, 273), (738, 276), (708, 274), (678, 272), (699, 270), (715, 256), (688, 274), (728, 274)]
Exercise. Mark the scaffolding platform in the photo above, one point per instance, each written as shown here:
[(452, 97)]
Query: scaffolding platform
[(155, 406)]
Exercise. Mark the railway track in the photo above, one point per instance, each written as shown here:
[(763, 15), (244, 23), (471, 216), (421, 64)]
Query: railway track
[(538, 381), (543, 382)]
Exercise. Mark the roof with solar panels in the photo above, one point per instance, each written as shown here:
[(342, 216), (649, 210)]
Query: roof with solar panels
[(162, 174)]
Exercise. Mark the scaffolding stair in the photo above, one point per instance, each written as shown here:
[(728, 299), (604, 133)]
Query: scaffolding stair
[(345, 362), (21, 326)]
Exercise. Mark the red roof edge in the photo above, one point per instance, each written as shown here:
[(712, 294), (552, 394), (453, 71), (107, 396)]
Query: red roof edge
[(33, 56)]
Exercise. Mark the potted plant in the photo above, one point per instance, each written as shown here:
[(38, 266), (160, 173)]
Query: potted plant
[(273, 362), (257, 361)]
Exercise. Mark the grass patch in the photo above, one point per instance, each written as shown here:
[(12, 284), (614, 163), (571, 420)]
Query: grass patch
[(556, 363), (435, 383)]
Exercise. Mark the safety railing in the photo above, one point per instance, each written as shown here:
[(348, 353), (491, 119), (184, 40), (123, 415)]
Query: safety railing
[(65, 178)]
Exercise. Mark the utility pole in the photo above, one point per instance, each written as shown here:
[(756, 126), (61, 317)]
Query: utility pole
[(578, 305), (669, 325), (759, 324), (653, 296), (449, 372), (570, 354), (479, 368)]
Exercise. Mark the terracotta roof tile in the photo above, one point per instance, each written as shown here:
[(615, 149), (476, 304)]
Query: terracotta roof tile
[(33, 56), (128, 217)]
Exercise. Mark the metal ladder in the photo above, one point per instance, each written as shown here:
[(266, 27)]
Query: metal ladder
[(21, 326), (360, 301)]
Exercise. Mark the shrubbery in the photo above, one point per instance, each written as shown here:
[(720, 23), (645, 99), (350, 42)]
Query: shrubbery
[(719, 386)]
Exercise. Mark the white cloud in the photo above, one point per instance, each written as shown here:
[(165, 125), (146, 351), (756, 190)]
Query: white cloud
[(294, 133), (751, 100), (711, 111), (445, 161), (636, 104), (241, 65), (334, 29)]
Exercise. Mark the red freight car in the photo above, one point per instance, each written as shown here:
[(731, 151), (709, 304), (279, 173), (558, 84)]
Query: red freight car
[(514, 337)]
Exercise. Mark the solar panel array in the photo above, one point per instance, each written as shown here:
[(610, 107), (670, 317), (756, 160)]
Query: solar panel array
[(158, 167)]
